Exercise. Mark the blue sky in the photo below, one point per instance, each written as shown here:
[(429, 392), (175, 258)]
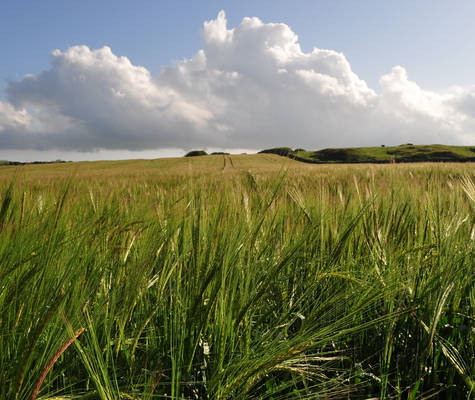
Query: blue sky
[(432, 40)]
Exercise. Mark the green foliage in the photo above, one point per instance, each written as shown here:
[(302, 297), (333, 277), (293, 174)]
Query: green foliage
[(195, 153), (198, 281), (280, 151)]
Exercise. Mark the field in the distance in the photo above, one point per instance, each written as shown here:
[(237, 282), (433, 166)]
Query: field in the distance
[(236, 277), (382, 154), (156, 167)]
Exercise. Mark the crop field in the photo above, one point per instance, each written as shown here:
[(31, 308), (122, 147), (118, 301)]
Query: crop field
[(237, 277)]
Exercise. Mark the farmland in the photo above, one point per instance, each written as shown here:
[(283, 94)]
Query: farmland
[(237, 277)]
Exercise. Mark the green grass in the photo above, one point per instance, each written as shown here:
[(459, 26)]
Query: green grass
[(237, 277), (403, 153)]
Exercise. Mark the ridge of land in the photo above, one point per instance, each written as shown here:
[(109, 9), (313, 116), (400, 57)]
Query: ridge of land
[(397, 154)]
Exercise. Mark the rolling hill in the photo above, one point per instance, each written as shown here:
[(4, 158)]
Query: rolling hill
[(403, 153)]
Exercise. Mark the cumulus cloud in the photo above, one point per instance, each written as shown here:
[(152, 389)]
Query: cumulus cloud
[(12, 118), (248, 87)]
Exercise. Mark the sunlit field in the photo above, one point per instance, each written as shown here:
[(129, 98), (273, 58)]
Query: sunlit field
[(237, 277)]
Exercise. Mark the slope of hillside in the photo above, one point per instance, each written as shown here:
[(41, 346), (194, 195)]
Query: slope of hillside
[(403, 153)]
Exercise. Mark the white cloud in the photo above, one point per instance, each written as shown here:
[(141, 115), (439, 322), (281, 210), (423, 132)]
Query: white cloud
[(249, 87), (12, 118)]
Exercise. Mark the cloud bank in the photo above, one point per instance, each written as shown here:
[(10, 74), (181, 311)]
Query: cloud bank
[(248, 87)]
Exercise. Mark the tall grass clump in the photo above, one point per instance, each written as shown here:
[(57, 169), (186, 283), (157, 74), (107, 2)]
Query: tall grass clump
[(247, 282)]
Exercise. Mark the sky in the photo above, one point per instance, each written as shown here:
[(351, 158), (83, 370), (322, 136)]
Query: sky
[(144, 79)]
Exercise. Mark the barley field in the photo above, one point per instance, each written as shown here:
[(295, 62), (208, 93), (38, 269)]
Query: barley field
[(237, 277)]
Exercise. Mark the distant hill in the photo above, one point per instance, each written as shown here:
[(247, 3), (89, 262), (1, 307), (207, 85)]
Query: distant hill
[(403, 153), (6, 162)]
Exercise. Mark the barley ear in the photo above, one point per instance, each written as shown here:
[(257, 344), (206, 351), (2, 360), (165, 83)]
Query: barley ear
[(53, 361)]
